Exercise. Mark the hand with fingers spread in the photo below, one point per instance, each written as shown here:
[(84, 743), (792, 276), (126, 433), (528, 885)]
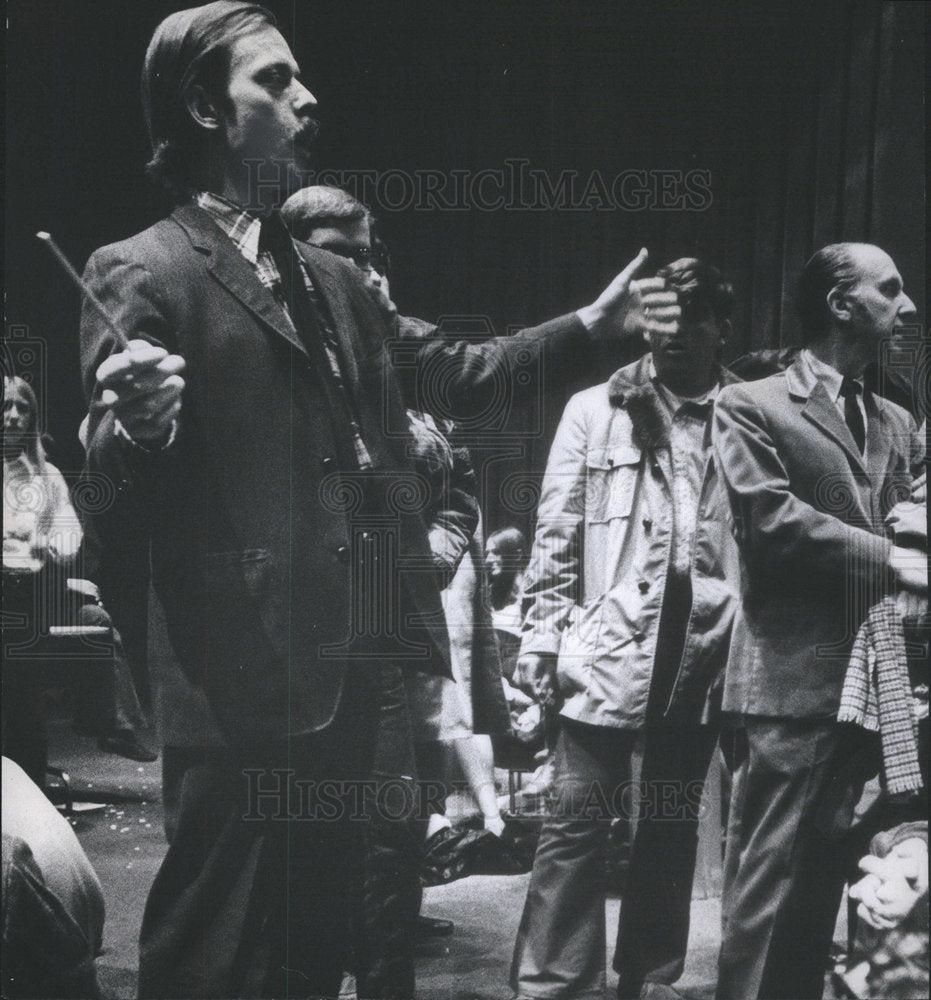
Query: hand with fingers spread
[(605, 318), (142, 386)]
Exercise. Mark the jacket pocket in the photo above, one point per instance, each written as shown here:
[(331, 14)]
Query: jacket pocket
[(610, 482), (245, 613)]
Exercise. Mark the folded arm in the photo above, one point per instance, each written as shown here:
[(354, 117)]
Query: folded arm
[(777, 532)]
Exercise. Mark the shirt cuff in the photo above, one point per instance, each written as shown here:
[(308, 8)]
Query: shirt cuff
[(147, 449)]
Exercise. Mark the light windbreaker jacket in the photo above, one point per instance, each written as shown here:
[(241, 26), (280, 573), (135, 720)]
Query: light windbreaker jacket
[(602, 550)]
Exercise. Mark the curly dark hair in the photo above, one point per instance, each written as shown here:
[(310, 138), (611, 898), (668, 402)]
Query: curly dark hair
[(701, 288)]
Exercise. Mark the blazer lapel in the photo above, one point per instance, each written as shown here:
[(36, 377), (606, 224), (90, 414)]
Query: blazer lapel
[(331, 295), (819, 408), (232, 270), (879, 437)]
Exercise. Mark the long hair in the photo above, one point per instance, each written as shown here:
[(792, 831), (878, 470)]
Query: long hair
[(41, 491), (189, 47), (32, 436)]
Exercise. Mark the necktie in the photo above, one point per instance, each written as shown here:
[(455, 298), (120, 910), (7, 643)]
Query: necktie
[(850, 389), (276, 240)]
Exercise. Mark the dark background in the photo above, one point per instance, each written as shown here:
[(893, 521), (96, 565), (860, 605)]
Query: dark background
[(808, 118)]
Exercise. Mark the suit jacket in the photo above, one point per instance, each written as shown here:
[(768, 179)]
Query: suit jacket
[(259, 539), (808, 516)]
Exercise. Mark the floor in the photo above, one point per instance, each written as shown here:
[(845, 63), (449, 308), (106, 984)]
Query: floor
[(124, 840)]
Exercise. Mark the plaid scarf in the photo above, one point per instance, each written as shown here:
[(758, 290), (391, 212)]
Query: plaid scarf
[(877, 695)]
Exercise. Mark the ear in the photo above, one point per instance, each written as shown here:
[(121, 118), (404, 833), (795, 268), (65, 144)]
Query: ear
[(839, 304), (201, 108), (725, 330)]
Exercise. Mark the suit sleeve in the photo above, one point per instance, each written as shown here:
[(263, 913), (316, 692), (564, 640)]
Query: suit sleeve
[(778, 533), (127, 292), (554, 573), (460, 379), (127, 479)]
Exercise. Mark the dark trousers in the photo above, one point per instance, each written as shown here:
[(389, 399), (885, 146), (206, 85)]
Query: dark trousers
[(390, 897), (560, 945), (260, 890), (788, 851)]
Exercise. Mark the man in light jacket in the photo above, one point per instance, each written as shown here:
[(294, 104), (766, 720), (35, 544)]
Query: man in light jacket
[(630, 599)]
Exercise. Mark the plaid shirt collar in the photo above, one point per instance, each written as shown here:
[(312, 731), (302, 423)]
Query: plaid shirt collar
[(239, 224)]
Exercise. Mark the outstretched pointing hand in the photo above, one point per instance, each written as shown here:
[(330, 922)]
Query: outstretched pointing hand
[(604, 317)]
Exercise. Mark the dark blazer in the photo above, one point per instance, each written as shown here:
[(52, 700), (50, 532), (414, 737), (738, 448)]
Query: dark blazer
[(808, 517), (256, 533)]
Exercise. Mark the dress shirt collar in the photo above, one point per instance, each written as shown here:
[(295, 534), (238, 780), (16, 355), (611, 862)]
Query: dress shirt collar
[(239, 224), (829, 377)]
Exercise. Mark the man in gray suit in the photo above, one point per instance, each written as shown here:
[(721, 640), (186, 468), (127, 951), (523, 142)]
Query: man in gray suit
[(813, 465)]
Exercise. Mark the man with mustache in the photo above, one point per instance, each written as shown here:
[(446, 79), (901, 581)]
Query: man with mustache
[(256, 431), (631, 593), (814, 464)]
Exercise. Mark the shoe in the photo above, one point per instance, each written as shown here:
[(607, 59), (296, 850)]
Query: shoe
[(660, 991), (650, 991), (126, 745), (434, 926)]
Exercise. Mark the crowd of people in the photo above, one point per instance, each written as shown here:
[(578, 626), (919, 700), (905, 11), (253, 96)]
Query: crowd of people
[(716, 561)]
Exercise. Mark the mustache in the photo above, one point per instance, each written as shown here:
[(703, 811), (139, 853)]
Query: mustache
[(309, 131)]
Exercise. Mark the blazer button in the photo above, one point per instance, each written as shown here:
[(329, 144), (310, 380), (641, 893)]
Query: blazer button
[(342, 553), (638, 636), (647, 525), (643, 586), (327, 462), (655, 469)]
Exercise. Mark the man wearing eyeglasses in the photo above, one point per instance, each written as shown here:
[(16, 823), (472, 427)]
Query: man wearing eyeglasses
[(329, 218)]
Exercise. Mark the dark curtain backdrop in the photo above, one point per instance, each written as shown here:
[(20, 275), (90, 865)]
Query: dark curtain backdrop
[(804, 123)]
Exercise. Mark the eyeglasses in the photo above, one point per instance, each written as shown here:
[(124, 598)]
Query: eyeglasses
[(365, 258)]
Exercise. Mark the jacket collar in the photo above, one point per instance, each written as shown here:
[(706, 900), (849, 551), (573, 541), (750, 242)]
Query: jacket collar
[(820, 409), (232, 270), (632, 389)]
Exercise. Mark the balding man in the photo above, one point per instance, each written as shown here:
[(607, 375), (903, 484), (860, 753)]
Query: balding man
[(813, 465)]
